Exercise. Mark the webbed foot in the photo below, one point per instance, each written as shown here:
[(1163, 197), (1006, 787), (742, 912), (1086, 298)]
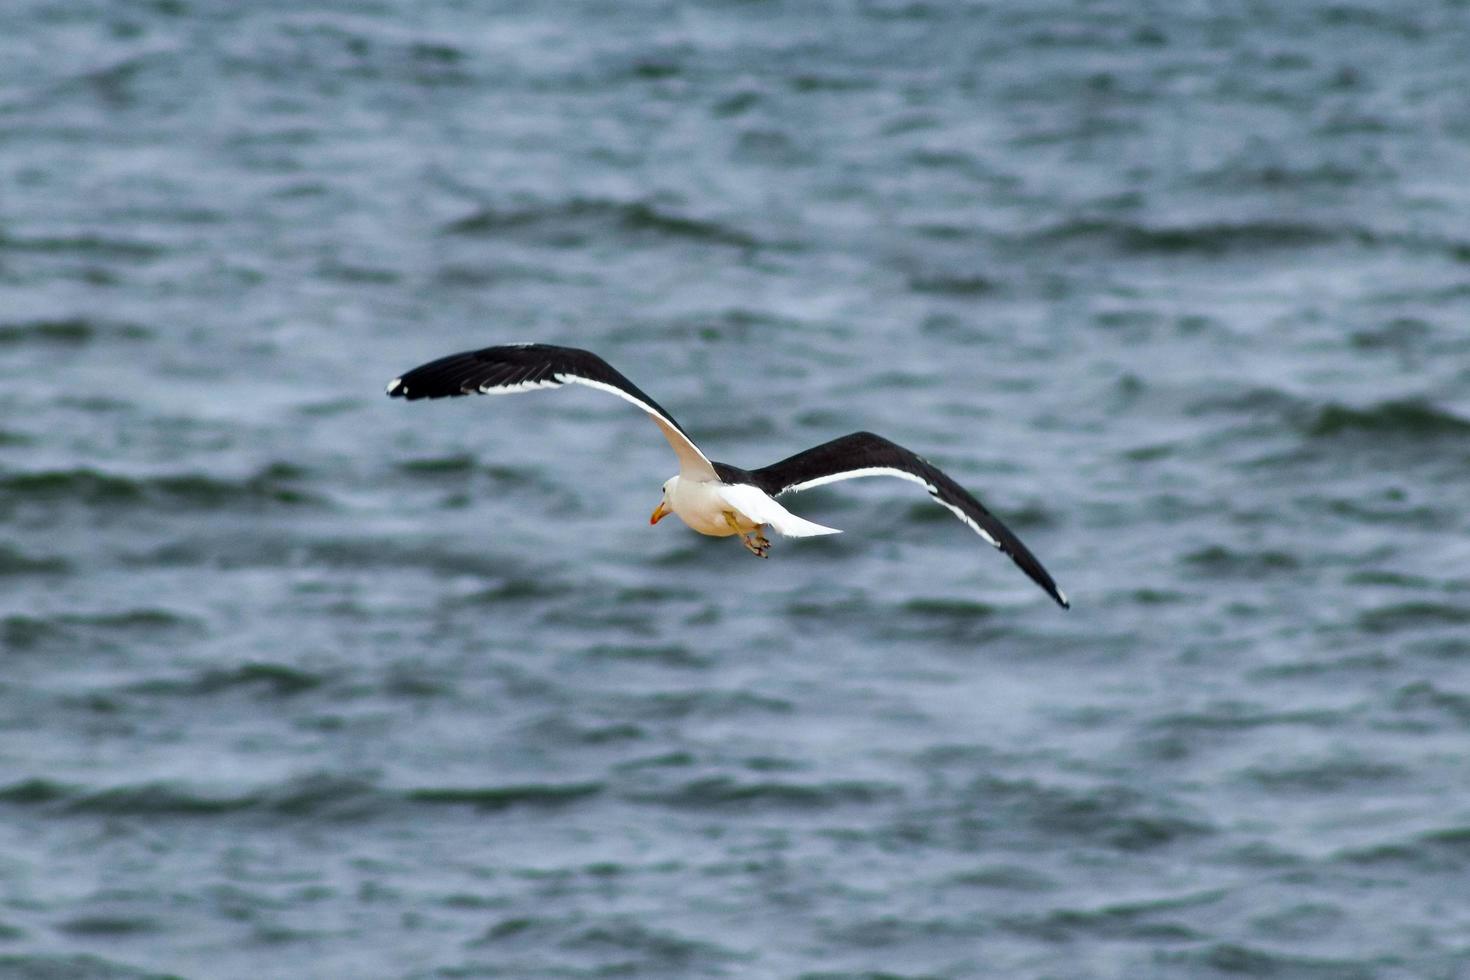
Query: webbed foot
[(757, 544)]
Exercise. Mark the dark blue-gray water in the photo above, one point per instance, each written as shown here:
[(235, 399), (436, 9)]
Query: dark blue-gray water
[(299, 681)]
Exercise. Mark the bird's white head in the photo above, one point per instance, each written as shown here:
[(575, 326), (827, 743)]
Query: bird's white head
[(665, 508)]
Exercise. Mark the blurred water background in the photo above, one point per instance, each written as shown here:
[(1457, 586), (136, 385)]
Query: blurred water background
[(301, 682)]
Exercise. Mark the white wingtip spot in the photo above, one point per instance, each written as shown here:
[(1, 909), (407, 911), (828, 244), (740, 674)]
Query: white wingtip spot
[(394, 385)]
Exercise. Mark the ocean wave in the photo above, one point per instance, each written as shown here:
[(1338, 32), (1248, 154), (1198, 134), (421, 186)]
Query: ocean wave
[(956, 620), (1249, 172), (969, 285), (948, 609), (320, 795), (69, 332), (667, 655), (106, 926), (1106, 815), (1206, 238), (303, 796), (153, 799), (521, 928), (1372, 662), (31, 792), (1237, 716), (1401, 418), (1215, 239), (674, 705), (278, 680), (735, 325), (1261, 401), (86, 245), (1427, 701), (278, 483), (1407, 422), (1437, 851), (460, 471), (1231, 959), (1220, 561), (1172, 738), (573, 223), (309, 52), (15, 562), (1413, 615), (76, 966), (1388, 508), (647, 951), (1327, 776), (1005, 877), (517, 589), (558, 729), (453, 465), (1152, 921), (428, 555), (505, 797), (725, 792), (506, 578), (72, 631)]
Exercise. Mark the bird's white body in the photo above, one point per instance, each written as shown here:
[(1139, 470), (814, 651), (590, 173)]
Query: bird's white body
[(722, 509)]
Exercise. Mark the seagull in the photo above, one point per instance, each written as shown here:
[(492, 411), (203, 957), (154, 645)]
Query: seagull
[(716, 498)]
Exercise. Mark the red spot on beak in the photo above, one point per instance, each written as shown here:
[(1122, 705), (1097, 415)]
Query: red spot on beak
[(660, 512)]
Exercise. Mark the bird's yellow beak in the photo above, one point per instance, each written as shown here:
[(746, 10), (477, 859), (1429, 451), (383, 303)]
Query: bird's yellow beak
[(660, 512)]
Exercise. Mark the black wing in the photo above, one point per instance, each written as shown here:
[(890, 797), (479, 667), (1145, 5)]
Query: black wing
[(865, 454), (527, 367)]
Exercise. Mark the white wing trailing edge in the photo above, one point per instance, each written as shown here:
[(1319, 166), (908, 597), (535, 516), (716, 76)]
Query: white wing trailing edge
[(527, 367)]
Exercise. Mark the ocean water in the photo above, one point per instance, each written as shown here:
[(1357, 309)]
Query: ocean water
[(299, 681)]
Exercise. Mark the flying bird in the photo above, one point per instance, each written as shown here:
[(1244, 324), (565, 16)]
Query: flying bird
[(716, 498)]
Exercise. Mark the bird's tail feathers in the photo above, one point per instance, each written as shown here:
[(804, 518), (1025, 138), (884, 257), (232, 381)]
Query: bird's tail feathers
[(762, 509), (797, 527)]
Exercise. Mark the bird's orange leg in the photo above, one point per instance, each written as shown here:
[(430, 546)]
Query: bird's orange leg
[(755, 542)]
